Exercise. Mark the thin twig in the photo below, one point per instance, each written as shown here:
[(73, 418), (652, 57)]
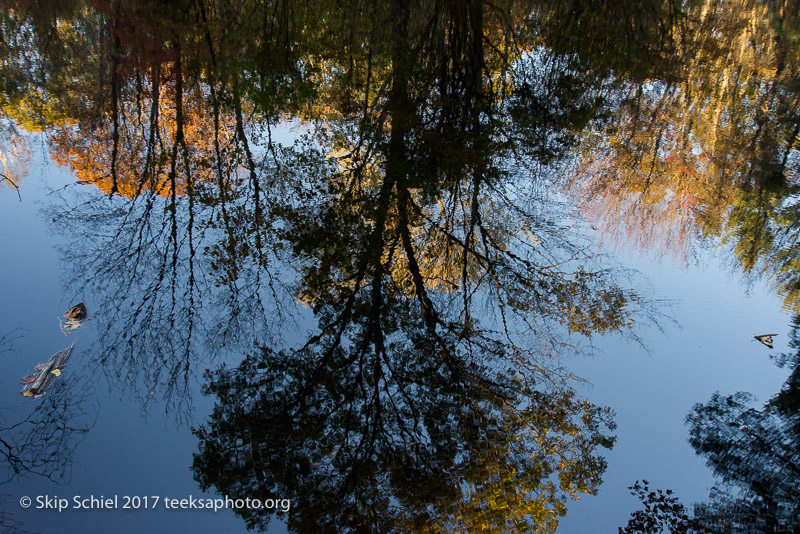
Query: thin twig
[(12, 183)]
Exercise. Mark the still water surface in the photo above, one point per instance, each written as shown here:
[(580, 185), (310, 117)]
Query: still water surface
[(432, 267)]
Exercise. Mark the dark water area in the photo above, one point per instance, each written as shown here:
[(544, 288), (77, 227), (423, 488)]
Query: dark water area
[(400, 267)]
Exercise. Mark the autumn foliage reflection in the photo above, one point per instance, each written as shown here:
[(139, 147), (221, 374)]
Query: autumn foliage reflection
[(443, 282), (706, 149), (355, 442)]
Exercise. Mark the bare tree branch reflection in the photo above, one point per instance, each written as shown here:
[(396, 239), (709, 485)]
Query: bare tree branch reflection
[(42, 442), (423, 275), (410, 219), (8, 522)]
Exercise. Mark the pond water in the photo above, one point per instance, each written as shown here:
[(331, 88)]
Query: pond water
[(394, 267)]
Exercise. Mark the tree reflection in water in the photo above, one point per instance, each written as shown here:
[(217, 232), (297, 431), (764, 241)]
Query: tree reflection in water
[(398, 442), (707, 152), (412, 218), (39, 437), (42, 442), (755, 453), (442, 280)]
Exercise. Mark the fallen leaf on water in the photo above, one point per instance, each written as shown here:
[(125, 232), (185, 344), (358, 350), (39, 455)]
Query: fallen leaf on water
[(766, 339)]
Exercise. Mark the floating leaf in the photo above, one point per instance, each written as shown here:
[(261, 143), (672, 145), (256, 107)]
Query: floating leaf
[(766, 339)]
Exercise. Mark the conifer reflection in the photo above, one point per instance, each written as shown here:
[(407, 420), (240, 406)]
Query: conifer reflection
[(755, 454)]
